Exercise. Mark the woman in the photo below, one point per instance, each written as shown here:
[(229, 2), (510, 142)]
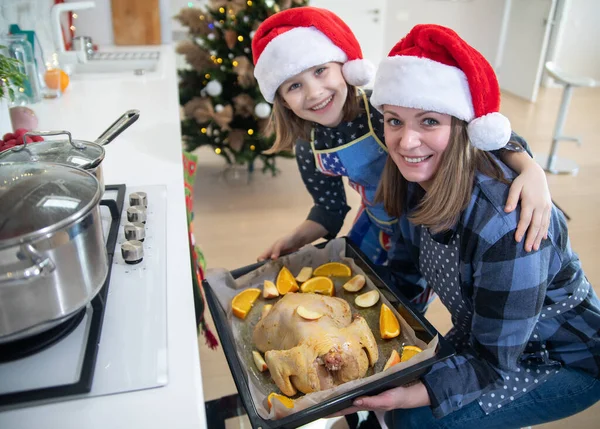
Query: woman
[(525, 324)]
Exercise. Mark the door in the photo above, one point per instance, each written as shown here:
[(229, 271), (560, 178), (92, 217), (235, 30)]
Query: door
[(521, 57), (366, 19)]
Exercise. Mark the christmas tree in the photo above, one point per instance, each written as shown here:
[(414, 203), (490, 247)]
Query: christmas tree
[(222, 103)]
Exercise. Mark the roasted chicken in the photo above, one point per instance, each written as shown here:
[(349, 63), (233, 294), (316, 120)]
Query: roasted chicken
[(313, 355)]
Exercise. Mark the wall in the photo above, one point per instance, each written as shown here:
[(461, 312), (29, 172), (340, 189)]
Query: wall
[(477, 21), (578, 46)]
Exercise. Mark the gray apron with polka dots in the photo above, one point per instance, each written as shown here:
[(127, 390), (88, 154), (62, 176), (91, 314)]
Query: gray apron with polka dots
[(439, 265)]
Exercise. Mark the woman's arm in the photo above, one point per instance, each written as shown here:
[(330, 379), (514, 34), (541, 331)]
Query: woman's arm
[(307, 232)]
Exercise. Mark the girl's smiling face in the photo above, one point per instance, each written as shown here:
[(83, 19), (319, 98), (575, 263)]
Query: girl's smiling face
[(317, 94), (416, 140)]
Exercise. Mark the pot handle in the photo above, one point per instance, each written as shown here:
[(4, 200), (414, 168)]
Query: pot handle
[(118, 127), (39, 268), (72, 142)]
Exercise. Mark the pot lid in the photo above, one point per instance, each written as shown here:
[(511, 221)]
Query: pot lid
[(77, 153), (37, 198)]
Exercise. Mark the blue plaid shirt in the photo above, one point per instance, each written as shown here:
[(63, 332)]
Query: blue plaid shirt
[(531, 312)]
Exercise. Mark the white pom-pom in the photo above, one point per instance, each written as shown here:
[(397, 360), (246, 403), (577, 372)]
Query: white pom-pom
[(358, 72), (489, 132)]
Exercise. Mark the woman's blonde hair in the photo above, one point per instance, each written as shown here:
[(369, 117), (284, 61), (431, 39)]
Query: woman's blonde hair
[(451, 188), (288, 127)]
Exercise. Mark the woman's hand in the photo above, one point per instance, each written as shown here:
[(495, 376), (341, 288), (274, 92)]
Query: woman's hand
[(307, 232), (531, 188), (399, 397)]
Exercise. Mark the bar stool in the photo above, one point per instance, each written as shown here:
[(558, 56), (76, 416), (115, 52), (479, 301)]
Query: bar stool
[(551, 163)]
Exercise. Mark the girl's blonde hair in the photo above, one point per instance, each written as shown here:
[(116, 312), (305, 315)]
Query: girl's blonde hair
[(288, 127), (451, 188)]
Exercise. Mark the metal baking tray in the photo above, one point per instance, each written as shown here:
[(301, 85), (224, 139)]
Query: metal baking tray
[(423, 329)]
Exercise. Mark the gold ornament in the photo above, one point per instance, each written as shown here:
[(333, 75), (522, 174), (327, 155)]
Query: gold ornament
[(236, 139), (245, 72), (195, 19), (230, 38), (243, 105), (197, 57), (234, 5), (204, 112)]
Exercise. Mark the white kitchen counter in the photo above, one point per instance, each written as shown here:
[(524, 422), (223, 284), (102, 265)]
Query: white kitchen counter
[(148, 153)]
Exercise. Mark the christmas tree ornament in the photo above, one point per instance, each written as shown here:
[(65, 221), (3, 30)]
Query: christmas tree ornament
[(234, 6), (230, 56), (245, 72), (247, 50), (252, 33), (432, 68), (262, 110), (218, 108), (205, 113), (243, 105), (188, 17), (230, 38), (214, 88), (297, 39), (235, 139), (196, 56), (211, 36)]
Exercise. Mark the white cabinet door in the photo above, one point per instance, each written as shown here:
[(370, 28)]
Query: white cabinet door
[(366, 19), (521, 62)]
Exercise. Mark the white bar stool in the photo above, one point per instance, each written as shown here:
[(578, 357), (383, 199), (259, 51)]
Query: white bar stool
[(551, 163)]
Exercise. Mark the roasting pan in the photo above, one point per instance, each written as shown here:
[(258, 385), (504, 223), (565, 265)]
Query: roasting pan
[(423, 329)]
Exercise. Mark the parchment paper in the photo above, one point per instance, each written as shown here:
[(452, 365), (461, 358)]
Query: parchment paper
[(261, 384)]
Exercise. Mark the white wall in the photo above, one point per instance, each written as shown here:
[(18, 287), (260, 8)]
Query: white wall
[(476, 21), (578, 47)]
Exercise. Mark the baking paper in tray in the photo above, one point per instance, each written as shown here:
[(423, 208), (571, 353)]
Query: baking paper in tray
[(261, 384)]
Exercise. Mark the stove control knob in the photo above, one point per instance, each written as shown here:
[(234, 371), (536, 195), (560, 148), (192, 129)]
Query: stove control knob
[(136, 214), (135, 231), (138, 199), (132, 251)]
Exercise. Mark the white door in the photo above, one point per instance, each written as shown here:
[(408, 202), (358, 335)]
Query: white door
[(521, 57), (366, 19)]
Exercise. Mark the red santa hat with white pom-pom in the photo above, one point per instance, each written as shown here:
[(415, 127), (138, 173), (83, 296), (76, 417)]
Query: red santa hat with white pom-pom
[(291, 41), (432, 68)]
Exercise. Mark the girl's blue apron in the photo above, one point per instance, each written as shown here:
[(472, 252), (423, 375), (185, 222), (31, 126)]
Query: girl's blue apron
[(362, 161)]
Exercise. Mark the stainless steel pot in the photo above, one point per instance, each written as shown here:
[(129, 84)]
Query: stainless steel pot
[(76, 153), (53, 257)]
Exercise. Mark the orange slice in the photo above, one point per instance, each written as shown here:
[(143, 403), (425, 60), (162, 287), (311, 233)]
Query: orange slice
[(367, 299), (243, 302), (388, 324), (304, 274), (333, 269), (409, 352), (322, 285), (287, 402), (393, 360), (355, 284), (286, 282)]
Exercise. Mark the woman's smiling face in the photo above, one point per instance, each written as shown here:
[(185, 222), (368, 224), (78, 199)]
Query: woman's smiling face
[(416, 140), (317, 94)]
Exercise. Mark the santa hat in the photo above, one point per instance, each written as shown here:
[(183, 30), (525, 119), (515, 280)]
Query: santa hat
[(291, 41), (432, 68)]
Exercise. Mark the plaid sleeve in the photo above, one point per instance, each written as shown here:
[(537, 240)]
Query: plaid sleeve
[(328, 192), (508, 293)]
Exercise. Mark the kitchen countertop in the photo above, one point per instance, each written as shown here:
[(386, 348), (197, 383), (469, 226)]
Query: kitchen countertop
[(147, 153)]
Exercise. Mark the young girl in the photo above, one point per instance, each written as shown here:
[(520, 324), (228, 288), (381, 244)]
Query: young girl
[(308, 64), (526, 325)]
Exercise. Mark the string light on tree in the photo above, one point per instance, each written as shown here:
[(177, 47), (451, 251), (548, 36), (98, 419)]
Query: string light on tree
[(214, 88), (218, 108)]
